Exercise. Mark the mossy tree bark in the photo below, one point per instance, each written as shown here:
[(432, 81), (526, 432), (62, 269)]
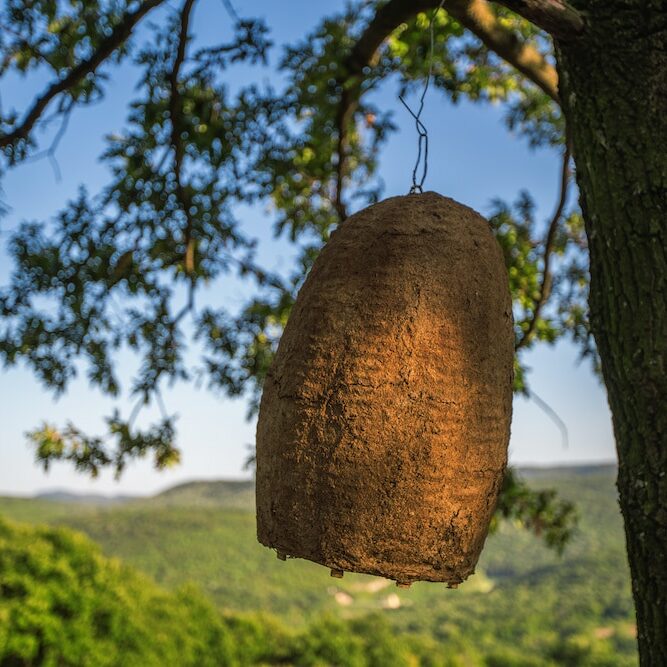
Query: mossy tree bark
[(613, 86)]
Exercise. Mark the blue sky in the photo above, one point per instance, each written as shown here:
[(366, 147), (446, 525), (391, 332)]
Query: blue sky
[(472, 158)]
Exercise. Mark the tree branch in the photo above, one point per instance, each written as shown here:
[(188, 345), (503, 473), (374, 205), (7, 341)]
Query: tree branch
[(50, 152), (106, 48), (545, 286), (176, 143), (479, 18), (557, 17)]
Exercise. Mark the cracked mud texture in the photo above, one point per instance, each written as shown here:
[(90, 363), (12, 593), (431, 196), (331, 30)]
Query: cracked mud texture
[(384, 423)]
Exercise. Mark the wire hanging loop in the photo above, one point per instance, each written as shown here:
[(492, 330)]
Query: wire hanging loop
[(422, 132)]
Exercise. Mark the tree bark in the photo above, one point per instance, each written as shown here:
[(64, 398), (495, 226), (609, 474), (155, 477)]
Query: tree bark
[(613, 85)]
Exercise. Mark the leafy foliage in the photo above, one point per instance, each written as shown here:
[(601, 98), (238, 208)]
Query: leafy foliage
[(542, 512), (64, 603), (566, 286), (525, 606)]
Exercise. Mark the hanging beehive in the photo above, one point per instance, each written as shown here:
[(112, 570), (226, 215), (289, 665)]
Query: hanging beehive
[(384, 423)]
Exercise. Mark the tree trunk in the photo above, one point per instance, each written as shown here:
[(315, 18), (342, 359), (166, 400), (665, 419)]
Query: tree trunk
[(613, 84)]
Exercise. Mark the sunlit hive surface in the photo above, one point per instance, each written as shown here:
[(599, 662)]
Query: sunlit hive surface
[(384, 423)]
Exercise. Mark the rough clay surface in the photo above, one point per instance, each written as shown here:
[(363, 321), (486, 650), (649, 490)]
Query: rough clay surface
[(384, 424)]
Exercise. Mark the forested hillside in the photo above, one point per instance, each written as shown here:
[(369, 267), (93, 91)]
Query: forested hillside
[(525, 606)]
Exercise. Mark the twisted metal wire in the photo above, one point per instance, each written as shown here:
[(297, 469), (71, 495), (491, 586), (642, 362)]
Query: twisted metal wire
[(422, 132)]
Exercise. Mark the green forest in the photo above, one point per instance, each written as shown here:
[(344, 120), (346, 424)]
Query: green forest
[(179, 579)]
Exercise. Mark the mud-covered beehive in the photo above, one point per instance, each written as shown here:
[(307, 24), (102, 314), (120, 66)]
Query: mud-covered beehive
[(384, 423)]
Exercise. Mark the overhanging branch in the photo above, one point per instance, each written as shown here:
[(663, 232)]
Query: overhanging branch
[(556, 17), (88, 66), (478, 17), (545, 285), (176, 143)]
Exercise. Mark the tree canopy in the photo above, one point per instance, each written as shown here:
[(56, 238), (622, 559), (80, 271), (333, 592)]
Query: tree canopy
[(124, 268), (63, 603)]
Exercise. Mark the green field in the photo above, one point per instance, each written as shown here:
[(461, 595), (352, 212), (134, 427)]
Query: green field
[(525, 606)]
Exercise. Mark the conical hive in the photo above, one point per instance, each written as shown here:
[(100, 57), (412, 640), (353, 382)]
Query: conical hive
[(384, 423)]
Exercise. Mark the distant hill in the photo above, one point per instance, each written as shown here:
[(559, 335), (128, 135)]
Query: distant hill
[(524, 601), (62, 496), (239, 494), (547, 472)]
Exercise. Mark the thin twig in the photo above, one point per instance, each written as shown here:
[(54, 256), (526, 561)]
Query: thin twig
[(135, 412), (161, 405), (230, 10), (545, 285), (189, 305), (50, 152), (545, 407)]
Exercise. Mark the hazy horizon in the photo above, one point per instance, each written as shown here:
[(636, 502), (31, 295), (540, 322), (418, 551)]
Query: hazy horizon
[(48, 491)]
